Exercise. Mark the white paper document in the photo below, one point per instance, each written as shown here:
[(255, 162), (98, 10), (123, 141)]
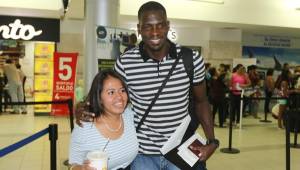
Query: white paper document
[(186, 154), (177, 136)]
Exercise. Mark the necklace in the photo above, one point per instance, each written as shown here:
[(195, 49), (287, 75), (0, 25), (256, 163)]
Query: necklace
[(112, 129)]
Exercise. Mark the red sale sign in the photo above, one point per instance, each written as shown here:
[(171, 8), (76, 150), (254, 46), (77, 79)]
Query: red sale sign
[(63, 81)]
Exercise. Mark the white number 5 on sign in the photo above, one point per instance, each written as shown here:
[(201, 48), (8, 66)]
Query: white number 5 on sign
[(64, 66)]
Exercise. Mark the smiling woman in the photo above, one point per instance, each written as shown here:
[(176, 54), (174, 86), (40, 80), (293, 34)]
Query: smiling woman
[(113, 122)]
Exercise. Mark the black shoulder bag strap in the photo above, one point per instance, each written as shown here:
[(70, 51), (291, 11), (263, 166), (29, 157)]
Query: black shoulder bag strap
[(187, 59), (157, 94)]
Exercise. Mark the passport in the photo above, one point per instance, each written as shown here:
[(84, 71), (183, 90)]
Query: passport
[(195, 143)]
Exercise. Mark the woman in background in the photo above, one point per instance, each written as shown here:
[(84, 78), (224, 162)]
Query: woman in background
[(217, 95), (284, 87), (269, 88), (239, 80)]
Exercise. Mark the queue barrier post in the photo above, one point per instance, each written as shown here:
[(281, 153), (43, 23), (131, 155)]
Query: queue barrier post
[(287, 141), (52, 130), (230, 149), (70, 106), (53, 139), (266, 119), (294, 116)]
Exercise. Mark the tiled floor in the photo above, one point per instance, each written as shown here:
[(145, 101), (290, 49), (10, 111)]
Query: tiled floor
[(261, 145)]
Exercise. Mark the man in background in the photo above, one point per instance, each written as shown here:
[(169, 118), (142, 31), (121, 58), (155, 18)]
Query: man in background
[(15, 89)]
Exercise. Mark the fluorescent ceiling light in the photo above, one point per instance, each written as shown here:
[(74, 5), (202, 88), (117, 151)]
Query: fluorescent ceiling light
[(210, 1)]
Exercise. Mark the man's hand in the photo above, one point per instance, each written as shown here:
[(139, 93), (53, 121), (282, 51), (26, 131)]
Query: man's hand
[(205, 151), (82, 113)]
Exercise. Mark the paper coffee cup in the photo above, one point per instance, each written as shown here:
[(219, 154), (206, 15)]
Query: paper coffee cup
[(98, 159)]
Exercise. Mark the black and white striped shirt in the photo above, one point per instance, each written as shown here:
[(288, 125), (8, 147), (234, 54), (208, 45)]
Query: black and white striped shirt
[(144, 76)]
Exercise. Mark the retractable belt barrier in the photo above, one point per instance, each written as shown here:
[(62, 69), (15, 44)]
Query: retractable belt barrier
[(52, 130), (68, 101), (290, 111)]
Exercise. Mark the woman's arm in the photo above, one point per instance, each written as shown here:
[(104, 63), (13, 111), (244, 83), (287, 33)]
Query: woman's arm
[(84, 166), (77, 153), (247, 82)]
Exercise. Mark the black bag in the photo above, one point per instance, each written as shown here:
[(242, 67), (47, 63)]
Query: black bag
[(172, 156)]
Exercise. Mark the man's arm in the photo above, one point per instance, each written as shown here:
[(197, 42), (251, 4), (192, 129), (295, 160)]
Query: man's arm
[(202, 109)]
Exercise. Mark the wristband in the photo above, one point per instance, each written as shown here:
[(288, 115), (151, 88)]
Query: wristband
[(215, 142)]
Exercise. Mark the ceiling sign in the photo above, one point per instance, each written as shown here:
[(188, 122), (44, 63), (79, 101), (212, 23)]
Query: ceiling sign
[(31, 29)]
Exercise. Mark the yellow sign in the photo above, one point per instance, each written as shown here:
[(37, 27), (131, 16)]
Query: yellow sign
[(43, 75)]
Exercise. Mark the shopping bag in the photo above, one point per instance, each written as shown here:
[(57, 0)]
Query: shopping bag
[(275, 111)]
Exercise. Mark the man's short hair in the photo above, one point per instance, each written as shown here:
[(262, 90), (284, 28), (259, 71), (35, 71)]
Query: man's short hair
[(133, 38), (151, 6)]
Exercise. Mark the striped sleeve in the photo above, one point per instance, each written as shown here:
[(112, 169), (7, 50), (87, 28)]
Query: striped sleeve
[(76, 154), (199, 68), (118, 67)]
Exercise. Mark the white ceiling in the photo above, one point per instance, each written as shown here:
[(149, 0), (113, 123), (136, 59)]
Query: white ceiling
[(272, 17), (131, 21)]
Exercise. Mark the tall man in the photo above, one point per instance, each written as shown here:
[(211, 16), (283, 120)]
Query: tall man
[(144, 69)]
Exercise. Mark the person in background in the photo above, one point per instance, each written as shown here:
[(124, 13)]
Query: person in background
[(239, 80), (132, 42), (1, 90), (255, 83), (285, 67), (144, 68), (217, 94), (284, 89), (236, 68), (207, 80), (15, 88), (22, 78), (225, 75), (269, 85), (79, 94), (112, 125)]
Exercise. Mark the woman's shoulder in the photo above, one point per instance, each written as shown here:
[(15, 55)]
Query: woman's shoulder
[(128, 112), (86, 127)]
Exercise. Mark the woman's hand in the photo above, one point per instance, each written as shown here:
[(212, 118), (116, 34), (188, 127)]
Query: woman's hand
[(84, 166), (82, 113)]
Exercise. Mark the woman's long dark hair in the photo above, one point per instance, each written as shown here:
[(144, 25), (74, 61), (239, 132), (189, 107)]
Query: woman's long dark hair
[(93, 96)]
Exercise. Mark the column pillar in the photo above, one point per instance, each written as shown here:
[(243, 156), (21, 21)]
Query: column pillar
[(98, 12)]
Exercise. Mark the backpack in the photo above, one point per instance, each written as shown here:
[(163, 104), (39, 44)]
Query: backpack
[(187, 58)]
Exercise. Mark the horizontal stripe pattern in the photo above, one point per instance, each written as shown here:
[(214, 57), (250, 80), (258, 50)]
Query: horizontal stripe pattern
[(121, 151), (144, 78)]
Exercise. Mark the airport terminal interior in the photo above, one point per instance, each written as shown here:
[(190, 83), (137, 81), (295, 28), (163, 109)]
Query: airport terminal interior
[(85, 36)]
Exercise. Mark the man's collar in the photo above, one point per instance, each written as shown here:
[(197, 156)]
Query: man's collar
[(172, 51)]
